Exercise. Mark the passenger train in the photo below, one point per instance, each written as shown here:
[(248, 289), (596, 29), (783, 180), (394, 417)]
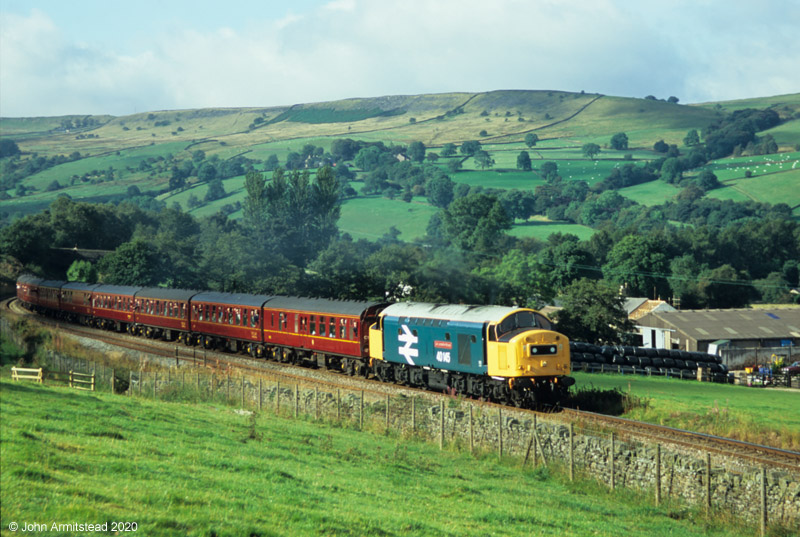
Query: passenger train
[(504, 354)]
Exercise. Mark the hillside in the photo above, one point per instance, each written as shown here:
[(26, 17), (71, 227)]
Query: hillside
[(207, 469), (106, 156)]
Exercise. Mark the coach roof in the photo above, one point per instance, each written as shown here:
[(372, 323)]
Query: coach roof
[(233, 299), (116, 289), (449, 312), (79, 286), (320, 305), (160, 293)]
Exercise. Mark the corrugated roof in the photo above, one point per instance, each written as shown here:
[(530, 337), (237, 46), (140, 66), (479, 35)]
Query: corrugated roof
[(777, 323), (450, 312)]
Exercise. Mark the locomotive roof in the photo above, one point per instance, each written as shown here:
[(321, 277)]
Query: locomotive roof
[(449, 312), (320, 305), (117, 289), (79, 286), (237, 299), (161, 293)]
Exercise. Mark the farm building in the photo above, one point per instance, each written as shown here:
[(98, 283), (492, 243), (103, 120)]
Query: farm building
[(639, 307), (742, 334)]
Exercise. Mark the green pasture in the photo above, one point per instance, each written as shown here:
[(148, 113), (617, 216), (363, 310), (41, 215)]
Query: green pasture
[(541, 229), (780, 187), (650, 193), (371, 217), (201, 469), (760, 415)]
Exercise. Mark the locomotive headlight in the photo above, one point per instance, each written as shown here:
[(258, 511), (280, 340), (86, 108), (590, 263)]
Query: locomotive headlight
[(537, 350)]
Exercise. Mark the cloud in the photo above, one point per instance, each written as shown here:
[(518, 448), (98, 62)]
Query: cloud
[(357, 48)]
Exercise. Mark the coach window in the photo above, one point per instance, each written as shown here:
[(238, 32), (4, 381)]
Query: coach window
[(183, 310), (283, 321), (342, 328), (355, 330), (332, 327), (323, 328), (296, 329), (313, 324), (213, 316), (232, 316)]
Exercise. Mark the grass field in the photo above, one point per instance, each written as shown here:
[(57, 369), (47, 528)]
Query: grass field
[(371, 217), (201, 469), (762, 416)]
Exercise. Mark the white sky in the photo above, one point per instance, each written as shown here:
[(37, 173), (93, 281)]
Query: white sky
[(121, 57)]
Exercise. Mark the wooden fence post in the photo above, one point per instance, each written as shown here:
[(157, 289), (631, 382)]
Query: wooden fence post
[(763, 501), (441, 425), (338, 404), (112, 380), (361, 412), (500, 433), (413, 414), (612, 461), (259, 394), (535, 441), (708, 480), (571, 452), (155, 383), (387, 411), (278, 398), (296, 400), (242, 390), (471, 444), (70, 378), (316, 403), (658, 474)]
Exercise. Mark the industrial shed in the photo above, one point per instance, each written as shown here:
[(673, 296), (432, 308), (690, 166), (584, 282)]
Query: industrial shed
[(752, 329)]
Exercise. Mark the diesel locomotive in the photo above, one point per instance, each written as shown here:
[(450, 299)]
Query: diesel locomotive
[(503, 354)]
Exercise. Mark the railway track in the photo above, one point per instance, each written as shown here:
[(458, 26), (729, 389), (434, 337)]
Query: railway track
[(727, 447)]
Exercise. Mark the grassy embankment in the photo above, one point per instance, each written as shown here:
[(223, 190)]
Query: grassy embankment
[(201, 469), (759, 415)]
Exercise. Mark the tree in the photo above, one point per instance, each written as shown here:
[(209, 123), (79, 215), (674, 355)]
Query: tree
[(453, 165), (133, 263), (416, 151), (483, 159), (448, 150), (692, 138), (661, 146), (476, 222), (271, 163), (524, 161), (593, 312), (8, 148), (518, 279), (469, 148), (640, 264), (439, 190), (207, 172), (531, 139), (590, 150), (215, 190), (549, 170), (82, 270), (254, 210), (619, 141), (706, 180)]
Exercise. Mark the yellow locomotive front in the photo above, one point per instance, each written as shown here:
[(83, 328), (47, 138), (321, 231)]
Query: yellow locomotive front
[(523, 348)]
